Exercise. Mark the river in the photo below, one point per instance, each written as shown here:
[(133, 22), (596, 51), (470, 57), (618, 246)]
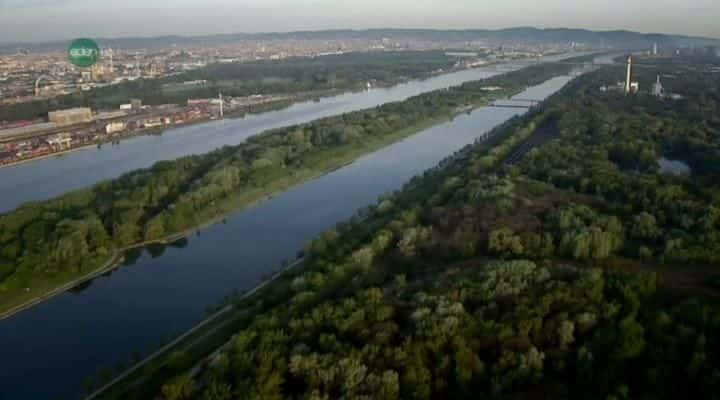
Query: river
[(49, 350), (51, 177)]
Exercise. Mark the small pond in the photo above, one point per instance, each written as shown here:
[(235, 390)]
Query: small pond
[(675, 167)]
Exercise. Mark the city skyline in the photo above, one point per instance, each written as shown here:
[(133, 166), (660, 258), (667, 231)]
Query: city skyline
[(59, 19)]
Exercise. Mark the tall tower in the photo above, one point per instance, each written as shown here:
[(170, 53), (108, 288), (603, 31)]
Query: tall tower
[(629, 74), (655, 49), (97, 72), (37, 84), (222, 115), (137, 64), (112, 66)]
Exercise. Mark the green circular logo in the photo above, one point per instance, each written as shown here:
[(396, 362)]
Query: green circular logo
[(84, 52)]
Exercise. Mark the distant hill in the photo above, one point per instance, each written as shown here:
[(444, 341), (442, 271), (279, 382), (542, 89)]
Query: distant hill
[(618, 38)]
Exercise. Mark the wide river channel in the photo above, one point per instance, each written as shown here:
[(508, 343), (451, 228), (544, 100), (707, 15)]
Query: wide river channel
[(51, 177), (49, 350)]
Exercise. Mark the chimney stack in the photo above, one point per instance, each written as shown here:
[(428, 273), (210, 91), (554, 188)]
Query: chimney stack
[(629, 74)]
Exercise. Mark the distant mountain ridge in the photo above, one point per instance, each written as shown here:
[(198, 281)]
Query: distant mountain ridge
[(616, 38)]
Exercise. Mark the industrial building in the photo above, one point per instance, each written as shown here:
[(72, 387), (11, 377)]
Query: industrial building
[(71, 116), (26, 131), (658, 89), (133, 105), (115, 127), (61, 141)]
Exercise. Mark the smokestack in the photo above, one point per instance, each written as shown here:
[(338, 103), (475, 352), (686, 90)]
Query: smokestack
[(222, 114), (112, 66), (629, 75)]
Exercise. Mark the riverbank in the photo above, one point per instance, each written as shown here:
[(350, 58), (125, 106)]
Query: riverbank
[(49, 155)]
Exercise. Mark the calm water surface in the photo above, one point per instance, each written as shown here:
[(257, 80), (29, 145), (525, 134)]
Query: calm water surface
[(675, 167)]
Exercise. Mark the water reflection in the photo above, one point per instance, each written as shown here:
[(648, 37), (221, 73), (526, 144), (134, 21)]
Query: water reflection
[(181, 243), (81, 287), (132, 256), (156, 250)]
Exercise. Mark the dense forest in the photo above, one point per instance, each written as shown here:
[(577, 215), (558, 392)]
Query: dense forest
[(45, 244), (565, 275), (610, 148), (292, 75)]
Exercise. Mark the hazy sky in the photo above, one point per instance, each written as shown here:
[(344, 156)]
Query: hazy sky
[(32, 20)]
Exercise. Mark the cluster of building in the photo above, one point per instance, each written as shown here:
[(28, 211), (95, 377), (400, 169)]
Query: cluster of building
[(25, 76), (80, 127), (664, 50), (13, 150), (628, 86)]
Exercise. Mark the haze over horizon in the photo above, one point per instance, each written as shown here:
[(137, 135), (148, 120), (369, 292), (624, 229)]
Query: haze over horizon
[(42, 20)]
